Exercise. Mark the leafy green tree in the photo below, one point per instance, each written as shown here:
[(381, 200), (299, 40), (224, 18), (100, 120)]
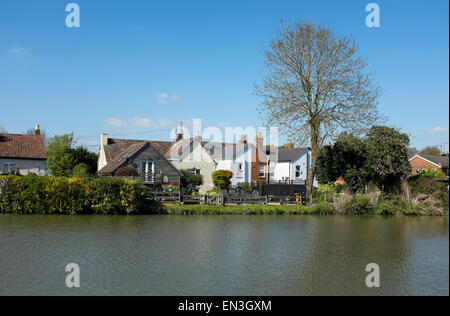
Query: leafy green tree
[(345, 159), (381, 157), (222, 179), (82, 155), (60, 160), (81, 171), (430, 151), (189, 181), (387, 155), (62, 157)]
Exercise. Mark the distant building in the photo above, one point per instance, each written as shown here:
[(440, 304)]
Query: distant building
[(423, 162), (292, 164), (144, 156), (250, 163), (22, 154)]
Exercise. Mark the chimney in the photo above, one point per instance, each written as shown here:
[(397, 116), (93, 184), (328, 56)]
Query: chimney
[(101, 162), (179, 136), (197, 137), (37, 132), (242, 139), (259, 141), (103, 139)]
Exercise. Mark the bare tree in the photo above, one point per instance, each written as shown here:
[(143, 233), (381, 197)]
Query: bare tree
[(315, 86)]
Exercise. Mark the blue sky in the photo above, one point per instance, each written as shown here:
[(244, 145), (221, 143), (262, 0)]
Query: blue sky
[(138, 66)]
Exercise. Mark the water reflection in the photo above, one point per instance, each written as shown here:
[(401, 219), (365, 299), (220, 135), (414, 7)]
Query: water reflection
[(223, 255)]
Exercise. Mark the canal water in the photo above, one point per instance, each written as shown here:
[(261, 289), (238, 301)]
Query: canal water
[(223, 255)]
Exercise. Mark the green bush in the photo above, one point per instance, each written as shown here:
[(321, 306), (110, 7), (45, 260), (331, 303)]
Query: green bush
[(323, 193), (432, 173), (222, 179), (360, 204), (81, 171), (60, 195), (246, 188)]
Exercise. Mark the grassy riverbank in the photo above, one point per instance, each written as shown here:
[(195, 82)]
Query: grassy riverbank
[(386, 209)]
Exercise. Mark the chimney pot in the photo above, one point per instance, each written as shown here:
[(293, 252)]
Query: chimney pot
[(179, 136), (37, 131), (242, 139)]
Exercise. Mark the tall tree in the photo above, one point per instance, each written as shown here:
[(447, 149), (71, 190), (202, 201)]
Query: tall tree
[(60, 161), (388, 156), (431, 151), (81, 155), (315, 85)]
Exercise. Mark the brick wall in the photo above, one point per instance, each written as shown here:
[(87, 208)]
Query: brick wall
[(419, 163)]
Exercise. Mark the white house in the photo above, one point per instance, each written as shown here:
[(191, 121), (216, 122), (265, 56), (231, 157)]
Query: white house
[(22, 154), (292, 164)]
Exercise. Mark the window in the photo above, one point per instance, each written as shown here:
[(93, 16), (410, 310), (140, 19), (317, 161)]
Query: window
[(240, 167), (297, 171), (195, 171), (262, 170), (8, 168)]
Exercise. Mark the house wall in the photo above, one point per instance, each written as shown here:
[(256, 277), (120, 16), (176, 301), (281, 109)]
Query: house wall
[(281, 170), (302, 162), (419, 163), (26, 166), (162, 166), (206, 169), (198, 158)]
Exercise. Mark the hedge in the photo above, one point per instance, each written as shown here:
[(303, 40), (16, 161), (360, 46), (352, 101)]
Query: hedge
[(60, 195)]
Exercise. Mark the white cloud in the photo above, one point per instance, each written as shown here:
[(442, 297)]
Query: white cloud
[(162, 123), (115, 122), (164, 98), (140, 122), (438, 129), (18, 51)]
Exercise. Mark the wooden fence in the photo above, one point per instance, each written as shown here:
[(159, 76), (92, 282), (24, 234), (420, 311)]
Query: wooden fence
[(226, 199)]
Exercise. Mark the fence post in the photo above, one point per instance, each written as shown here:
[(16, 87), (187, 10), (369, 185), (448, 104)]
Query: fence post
[(267, 200)]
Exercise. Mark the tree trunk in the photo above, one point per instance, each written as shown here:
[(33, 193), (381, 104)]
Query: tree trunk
[(314, 138)]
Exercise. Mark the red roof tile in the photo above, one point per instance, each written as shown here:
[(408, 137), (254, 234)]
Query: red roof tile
[(22, 146)]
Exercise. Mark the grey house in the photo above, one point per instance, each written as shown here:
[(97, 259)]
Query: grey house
[(22, 154), (143, 156)]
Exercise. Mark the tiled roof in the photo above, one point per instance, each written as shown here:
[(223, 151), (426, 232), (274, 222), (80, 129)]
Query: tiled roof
[(440, 160), (22, 146), (288, 154), (116, 146), (122, 158)]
